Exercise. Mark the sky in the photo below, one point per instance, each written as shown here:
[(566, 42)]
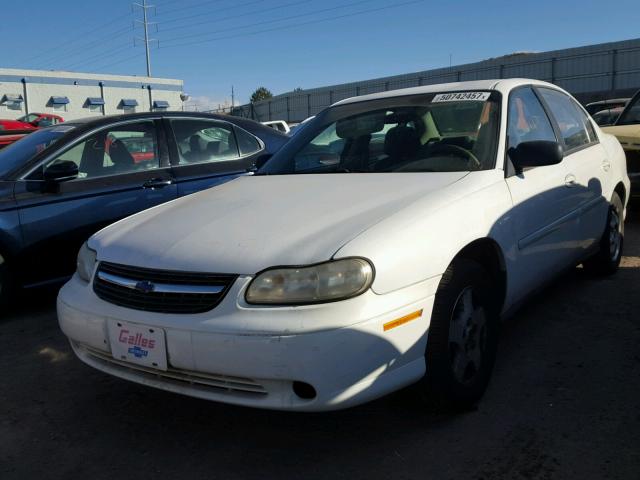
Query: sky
[(285, 44)]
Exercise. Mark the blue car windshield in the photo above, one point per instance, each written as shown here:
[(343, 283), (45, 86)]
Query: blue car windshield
[(20, 152)]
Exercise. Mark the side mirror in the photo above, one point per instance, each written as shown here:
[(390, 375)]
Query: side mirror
[(537, 153), (61, 171), (261, 160)]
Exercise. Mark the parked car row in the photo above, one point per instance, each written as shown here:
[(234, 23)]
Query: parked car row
[(626, 128), (379, 247), (63, 183)]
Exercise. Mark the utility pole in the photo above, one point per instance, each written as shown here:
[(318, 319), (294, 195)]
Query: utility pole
[(145, 24), (233, 99)]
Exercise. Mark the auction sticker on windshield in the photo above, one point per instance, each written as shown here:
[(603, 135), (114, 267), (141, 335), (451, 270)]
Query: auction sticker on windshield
[(138, 344), (462, 96)]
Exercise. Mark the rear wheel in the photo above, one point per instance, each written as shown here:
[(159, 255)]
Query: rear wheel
[(607, 260), (462, 338)]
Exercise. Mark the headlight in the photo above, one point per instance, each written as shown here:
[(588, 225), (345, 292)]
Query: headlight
[(325, 282), (86, 262)]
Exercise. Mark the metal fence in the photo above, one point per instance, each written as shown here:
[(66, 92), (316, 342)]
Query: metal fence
[(590, 73)]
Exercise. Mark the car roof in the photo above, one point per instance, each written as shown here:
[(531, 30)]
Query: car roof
[(82, 124), (501, 85)]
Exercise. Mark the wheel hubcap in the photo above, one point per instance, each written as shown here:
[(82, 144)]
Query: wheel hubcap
[(467, 336), (615, 235)]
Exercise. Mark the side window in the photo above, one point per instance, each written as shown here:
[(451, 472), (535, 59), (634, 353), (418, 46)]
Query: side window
[(204, 141), (527, 119), (114, 151), (247, 143), (574, 125)]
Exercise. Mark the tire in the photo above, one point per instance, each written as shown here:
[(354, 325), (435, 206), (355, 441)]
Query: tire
[(6, 285), (463, 337), (607, 260)]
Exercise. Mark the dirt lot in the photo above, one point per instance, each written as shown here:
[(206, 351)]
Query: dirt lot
[(564, 402)]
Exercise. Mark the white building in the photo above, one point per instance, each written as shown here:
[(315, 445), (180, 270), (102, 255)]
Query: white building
[(75, 95)]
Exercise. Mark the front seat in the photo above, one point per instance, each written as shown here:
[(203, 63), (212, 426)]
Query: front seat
[(401, 144)]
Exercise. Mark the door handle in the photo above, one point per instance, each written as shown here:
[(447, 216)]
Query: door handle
[(606, 165), (570, 180), (157, 183)]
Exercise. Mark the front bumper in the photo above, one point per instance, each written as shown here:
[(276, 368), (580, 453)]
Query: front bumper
[(230, 355)]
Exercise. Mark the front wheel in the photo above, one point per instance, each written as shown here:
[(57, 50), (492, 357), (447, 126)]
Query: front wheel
[(5, 283), (607, 260), (462, 338)]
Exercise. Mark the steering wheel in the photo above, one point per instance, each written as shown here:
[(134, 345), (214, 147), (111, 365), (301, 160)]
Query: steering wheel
[(456, 150)]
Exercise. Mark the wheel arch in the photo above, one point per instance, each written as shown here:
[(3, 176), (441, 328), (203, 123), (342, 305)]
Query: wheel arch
[(621, 190), (488, 253)]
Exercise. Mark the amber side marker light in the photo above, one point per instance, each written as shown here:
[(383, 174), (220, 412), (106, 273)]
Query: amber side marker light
[(402, 320)]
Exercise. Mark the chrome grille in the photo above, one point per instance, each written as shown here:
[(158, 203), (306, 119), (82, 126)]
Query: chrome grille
[(164, 291)]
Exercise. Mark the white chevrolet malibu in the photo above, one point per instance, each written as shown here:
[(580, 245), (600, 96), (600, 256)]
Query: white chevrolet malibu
[(379, 248)]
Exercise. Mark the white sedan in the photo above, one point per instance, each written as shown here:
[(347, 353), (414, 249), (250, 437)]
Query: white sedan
[(379, 248)]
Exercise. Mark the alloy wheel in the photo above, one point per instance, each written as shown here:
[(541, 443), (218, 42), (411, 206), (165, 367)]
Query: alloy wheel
[(615, 234), (467, 336)]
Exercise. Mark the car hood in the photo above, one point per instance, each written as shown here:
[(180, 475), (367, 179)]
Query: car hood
[(15, 125), (255, 222), (624, 133)]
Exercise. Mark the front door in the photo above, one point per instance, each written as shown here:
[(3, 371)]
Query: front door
[(545, 222), (123, 169), (589, 168)]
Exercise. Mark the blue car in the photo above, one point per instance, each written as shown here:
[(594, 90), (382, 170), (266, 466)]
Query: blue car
[(61, 184)]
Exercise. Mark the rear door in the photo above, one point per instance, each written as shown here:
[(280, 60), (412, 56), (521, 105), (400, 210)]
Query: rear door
[(206, 153), (123, 169)]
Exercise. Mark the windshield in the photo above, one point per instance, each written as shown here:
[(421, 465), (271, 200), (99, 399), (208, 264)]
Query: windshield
[(28, 118), (18, 153), (447, 132), (631, 114)]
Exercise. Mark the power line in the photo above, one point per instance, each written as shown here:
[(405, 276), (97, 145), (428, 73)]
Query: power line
[(82, 49), (75, 38), (230, 17), (109, 53), (281, 19), (118, 62), (189, 6), (295, 25)]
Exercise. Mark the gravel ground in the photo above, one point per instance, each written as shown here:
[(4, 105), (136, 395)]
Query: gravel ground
[(564, 402)]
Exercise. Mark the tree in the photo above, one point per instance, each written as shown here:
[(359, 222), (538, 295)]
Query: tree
[(260, 94)]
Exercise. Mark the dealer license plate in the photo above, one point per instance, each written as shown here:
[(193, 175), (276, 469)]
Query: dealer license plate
[(138, 344)]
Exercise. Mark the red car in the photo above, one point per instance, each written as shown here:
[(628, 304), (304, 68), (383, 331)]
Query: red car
[(31, 121), (14, 130)]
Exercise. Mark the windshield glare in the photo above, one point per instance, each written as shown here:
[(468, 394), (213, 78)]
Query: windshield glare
[(18, 153), (430, 133)]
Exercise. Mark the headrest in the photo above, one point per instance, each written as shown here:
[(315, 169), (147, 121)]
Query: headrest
[(360, 125), (401, 142)]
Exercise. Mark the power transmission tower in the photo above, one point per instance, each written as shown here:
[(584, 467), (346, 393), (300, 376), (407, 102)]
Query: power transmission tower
[(145, 23)]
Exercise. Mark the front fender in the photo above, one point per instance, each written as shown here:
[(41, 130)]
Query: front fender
[(420, 241)]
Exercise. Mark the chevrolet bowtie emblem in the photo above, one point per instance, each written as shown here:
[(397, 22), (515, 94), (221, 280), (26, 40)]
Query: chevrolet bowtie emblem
[(145, 287)]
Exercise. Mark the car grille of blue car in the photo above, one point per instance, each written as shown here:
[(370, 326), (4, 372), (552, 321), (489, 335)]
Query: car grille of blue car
[(164, 291)]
